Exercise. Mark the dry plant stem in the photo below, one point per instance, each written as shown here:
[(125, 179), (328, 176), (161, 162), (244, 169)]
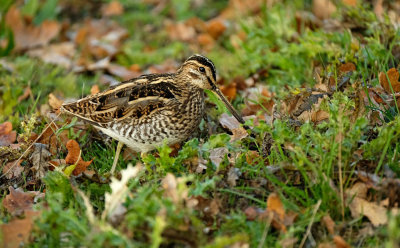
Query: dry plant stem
[(30, 146), (311, 223), (265, 232), (340, 163), (114, 165)]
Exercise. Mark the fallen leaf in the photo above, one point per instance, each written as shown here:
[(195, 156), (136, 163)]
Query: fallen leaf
[(346, 67), (205, 40), (393, 76), (378, 9), (39, 159), (25, 95), (16, 232), (113, 8), (233, 125), (323, 9), (26, 35), (53, 140), (7, 136), (233, 176), (122, 72), (180, 31), (340, 242), (119, 190), (275, 211), (61, 54), (94, 90), (217, 155), (73, 156), (229, 90), (13, 170), (54, 102), (17, 201), (329, 224), (252, 212), (274, 204), (350, 2), (216, 28)]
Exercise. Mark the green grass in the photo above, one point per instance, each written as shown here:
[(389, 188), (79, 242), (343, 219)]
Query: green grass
[(306, 157)]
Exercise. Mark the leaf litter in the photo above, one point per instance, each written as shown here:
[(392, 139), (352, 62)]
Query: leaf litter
[(94, 44)]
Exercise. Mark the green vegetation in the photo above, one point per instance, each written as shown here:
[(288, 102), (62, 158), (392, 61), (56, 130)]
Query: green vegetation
[(189, 199)]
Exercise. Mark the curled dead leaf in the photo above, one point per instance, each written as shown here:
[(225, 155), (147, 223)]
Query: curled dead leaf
[(216, 28), (13, 170), (7, 135), (73, 156), (27, 35), (393, 76), (54, 102)]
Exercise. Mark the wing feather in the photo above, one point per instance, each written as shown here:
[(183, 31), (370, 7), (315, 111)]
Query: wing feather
[(130, 99)]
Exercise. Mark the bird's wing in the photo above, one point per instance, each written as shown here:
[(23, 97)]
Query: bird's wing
[(133, 99)]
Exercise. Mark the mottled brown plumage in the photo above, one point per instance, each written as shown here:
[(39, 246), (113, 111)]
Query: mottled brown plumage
[(145, 111)]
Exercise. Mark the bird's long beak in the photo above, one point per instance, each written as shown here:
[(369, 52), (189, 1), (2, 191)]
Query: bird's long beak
[(228, 105)]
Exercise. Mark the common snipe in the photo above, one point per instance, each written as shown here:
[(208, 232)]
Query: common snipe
[(143, 112)]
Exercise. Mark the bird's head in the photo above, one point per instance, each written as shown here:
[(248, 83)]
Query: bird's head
[(202, 74)]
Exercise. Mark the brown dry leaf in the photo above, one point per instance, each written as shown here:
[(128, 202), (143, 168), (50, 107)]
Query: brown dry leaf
[(54, 102), (229, 90), (233, 176), (7, 135), (13, 170), (26, 35), (18, 201), (217, 155), (319, 115), (73, 155), (274, 204), (233, 125), (122, 72), (112, 9), (261, 95), (59, 54), (329, 224), (99, 39), (25, 95), (346, 67), (393, 76), (94, 90), (39, 159), (350, 2), (206, 41), (181, 31), (53, 140), (323, 9), (16, 232), (340, 242), (378, 9), (275, 210), (216, 28), (375, 213)]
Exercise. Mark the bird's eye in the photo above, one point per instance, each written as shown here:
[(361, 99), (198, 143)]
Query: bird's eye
[(202, 69)]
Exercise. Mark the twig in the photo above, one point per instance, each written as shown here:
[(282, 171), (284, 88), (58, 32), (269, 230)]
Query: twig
[(311, 223)]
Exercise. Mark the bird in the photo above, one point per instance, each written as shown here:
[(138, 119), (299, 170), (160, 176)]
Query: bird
[(146, 111)]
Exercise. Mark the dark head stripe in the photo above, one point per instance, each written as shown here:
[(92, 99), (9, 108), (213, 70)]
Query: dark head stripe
[(204, 61)]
